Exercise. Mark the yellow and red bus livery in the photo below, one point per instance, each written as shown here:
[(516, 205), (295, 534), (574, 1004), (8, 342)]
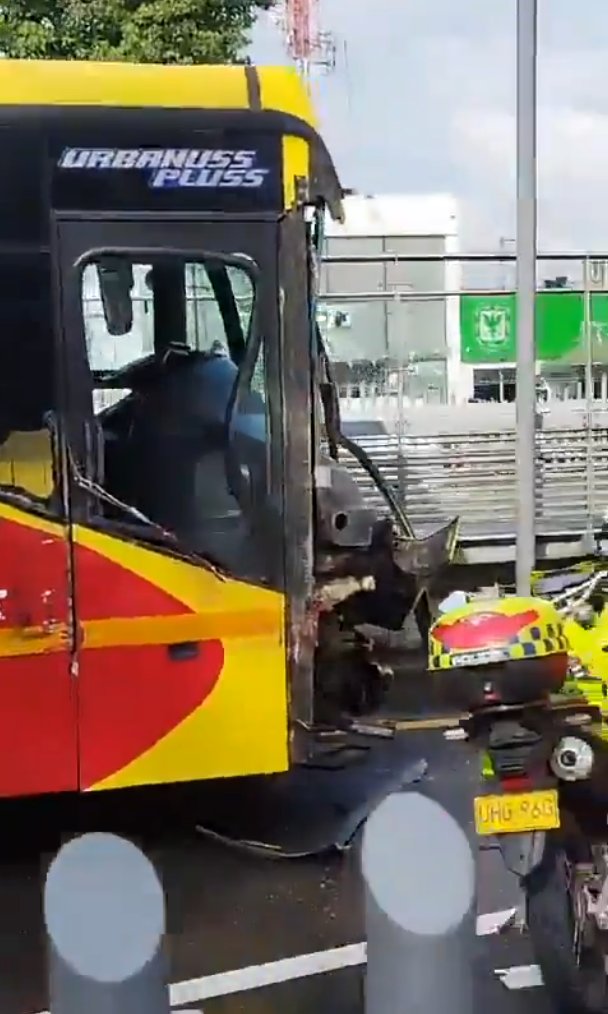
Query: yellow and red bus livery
[(184, 562)]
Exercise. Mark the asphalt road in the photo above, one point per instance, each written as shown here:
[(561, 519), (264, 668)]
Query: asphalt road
[(231, 910)]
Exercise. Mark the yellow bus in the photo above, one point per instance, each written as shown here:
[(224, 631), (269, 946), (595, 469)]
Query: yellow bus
[(185, 563)]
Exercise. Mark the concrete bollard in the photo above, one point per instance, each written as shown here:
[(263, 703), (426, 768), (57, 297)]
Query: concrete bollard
[(419, 875), (104, 912)]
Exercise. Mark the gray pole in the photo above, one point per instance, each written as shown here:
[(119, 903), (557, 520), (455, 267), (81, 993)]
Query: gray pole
[(589, 398), (526, 290), (105, 919), (419, 877)]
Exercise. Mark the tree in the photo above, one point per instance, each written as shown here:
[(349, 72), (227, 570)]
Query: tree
[(143, 31)]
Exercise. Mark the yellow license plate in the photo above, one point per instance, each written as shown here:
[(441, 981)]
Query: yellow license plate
[(517, 811)]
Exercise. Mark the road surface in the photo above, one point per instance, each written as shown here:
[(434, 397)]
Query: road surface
[(234, 918)]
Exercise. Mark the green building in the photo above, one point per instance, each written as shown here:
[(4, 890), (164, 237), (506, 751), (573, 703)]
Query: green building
[(488, 330)]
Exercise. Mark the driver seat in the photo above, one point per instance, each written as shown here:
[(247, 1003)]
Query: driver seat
[(177, 446)]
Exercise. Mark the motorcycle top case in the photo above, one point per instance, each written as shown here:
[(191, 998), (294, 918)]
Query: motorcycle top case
[(510, 650)]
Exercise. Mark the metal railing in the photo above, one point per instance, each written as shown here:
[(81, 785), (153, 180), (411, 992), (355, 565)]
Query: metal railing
[(447, 462), (460, 459)]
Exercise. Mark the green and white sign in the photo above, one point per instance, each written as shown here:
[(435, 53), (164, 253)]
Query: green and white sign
[(488, 328), (493, 326)]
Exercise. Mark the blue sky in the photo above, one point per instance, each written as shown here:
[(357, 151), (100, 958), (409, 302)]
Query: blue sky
[(423, 99)]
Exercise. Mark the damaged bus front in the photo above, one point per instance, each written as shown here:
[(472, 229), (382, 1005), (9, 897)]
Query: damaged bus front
[(186, 563)]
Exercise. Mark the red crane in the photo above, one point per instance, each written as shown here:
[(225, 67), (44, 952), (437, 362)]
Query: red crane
[(306, 43), (301, 29)]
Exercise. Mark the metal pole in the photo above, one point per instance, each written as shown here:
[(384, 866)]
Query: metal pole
[(387, 349), (503, 249), (426, 294), (419, 876), (404, 362), (589, 392), (465, 258), (401, 448), (526, 291), (104, 912)]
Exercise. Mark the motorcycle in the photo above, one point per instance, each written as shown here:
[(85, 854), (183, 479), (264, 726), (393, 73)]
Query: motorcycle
[(533, 713), (581, 597)]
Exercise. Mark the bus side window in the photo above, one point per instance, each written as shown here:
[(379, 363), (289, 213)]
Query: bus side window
[(27, 395), (108, 353)]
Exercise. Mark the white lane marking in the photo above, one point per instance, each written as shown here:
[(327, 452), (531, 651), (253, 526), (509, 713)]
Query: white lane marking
[(241, 980), (520, 976), (257, 976), (493, 922), (302, 966)]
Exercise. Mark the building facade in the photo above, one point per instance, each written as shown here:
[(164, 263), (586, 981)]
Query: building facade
[(372, 330)]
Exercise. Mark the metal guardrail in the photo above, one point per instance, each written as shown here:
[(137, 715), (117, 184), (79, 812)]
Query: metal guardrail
[(464, 463), (431, 295), (451, 258)]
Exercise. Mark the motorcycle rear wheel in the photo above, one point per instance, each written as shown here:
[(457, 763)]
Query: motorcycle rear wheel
[(574, 986)]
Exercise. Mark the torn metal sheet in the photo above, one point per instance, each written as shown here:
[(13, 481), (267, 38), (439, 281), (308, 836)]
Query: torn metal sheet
[(311, 810)]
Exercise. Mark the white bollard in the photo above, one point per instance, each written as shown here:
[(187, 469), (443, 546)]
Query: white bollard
[(419, 875), (104, 912)]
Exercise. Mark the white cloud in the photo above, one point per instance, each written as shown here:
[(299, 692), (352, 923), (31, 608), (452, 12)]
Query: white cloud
[(572, 169), (424, 99)]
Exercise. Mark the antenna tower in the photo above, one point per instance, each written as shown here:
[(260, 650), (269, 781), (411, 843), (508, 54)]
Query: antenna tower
[(307, 45)]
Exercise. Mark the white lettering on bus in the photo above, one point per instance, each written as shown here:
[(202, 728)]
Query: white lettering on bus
[(101, 158), (125, 159), (73, 158), (204, 168), (149, 159), (174, 158)]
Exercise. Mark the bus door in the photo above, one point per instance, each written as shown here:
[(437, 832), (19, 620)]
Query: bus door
[(174, 419), (37, 700)]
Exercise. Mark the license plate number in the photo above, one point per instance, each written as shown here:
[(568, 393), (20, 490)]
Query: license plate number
[(517, 811)]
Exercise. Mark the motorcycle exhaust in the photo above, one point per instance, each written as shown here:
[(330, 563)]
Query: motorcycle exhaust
[(572, 759)]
